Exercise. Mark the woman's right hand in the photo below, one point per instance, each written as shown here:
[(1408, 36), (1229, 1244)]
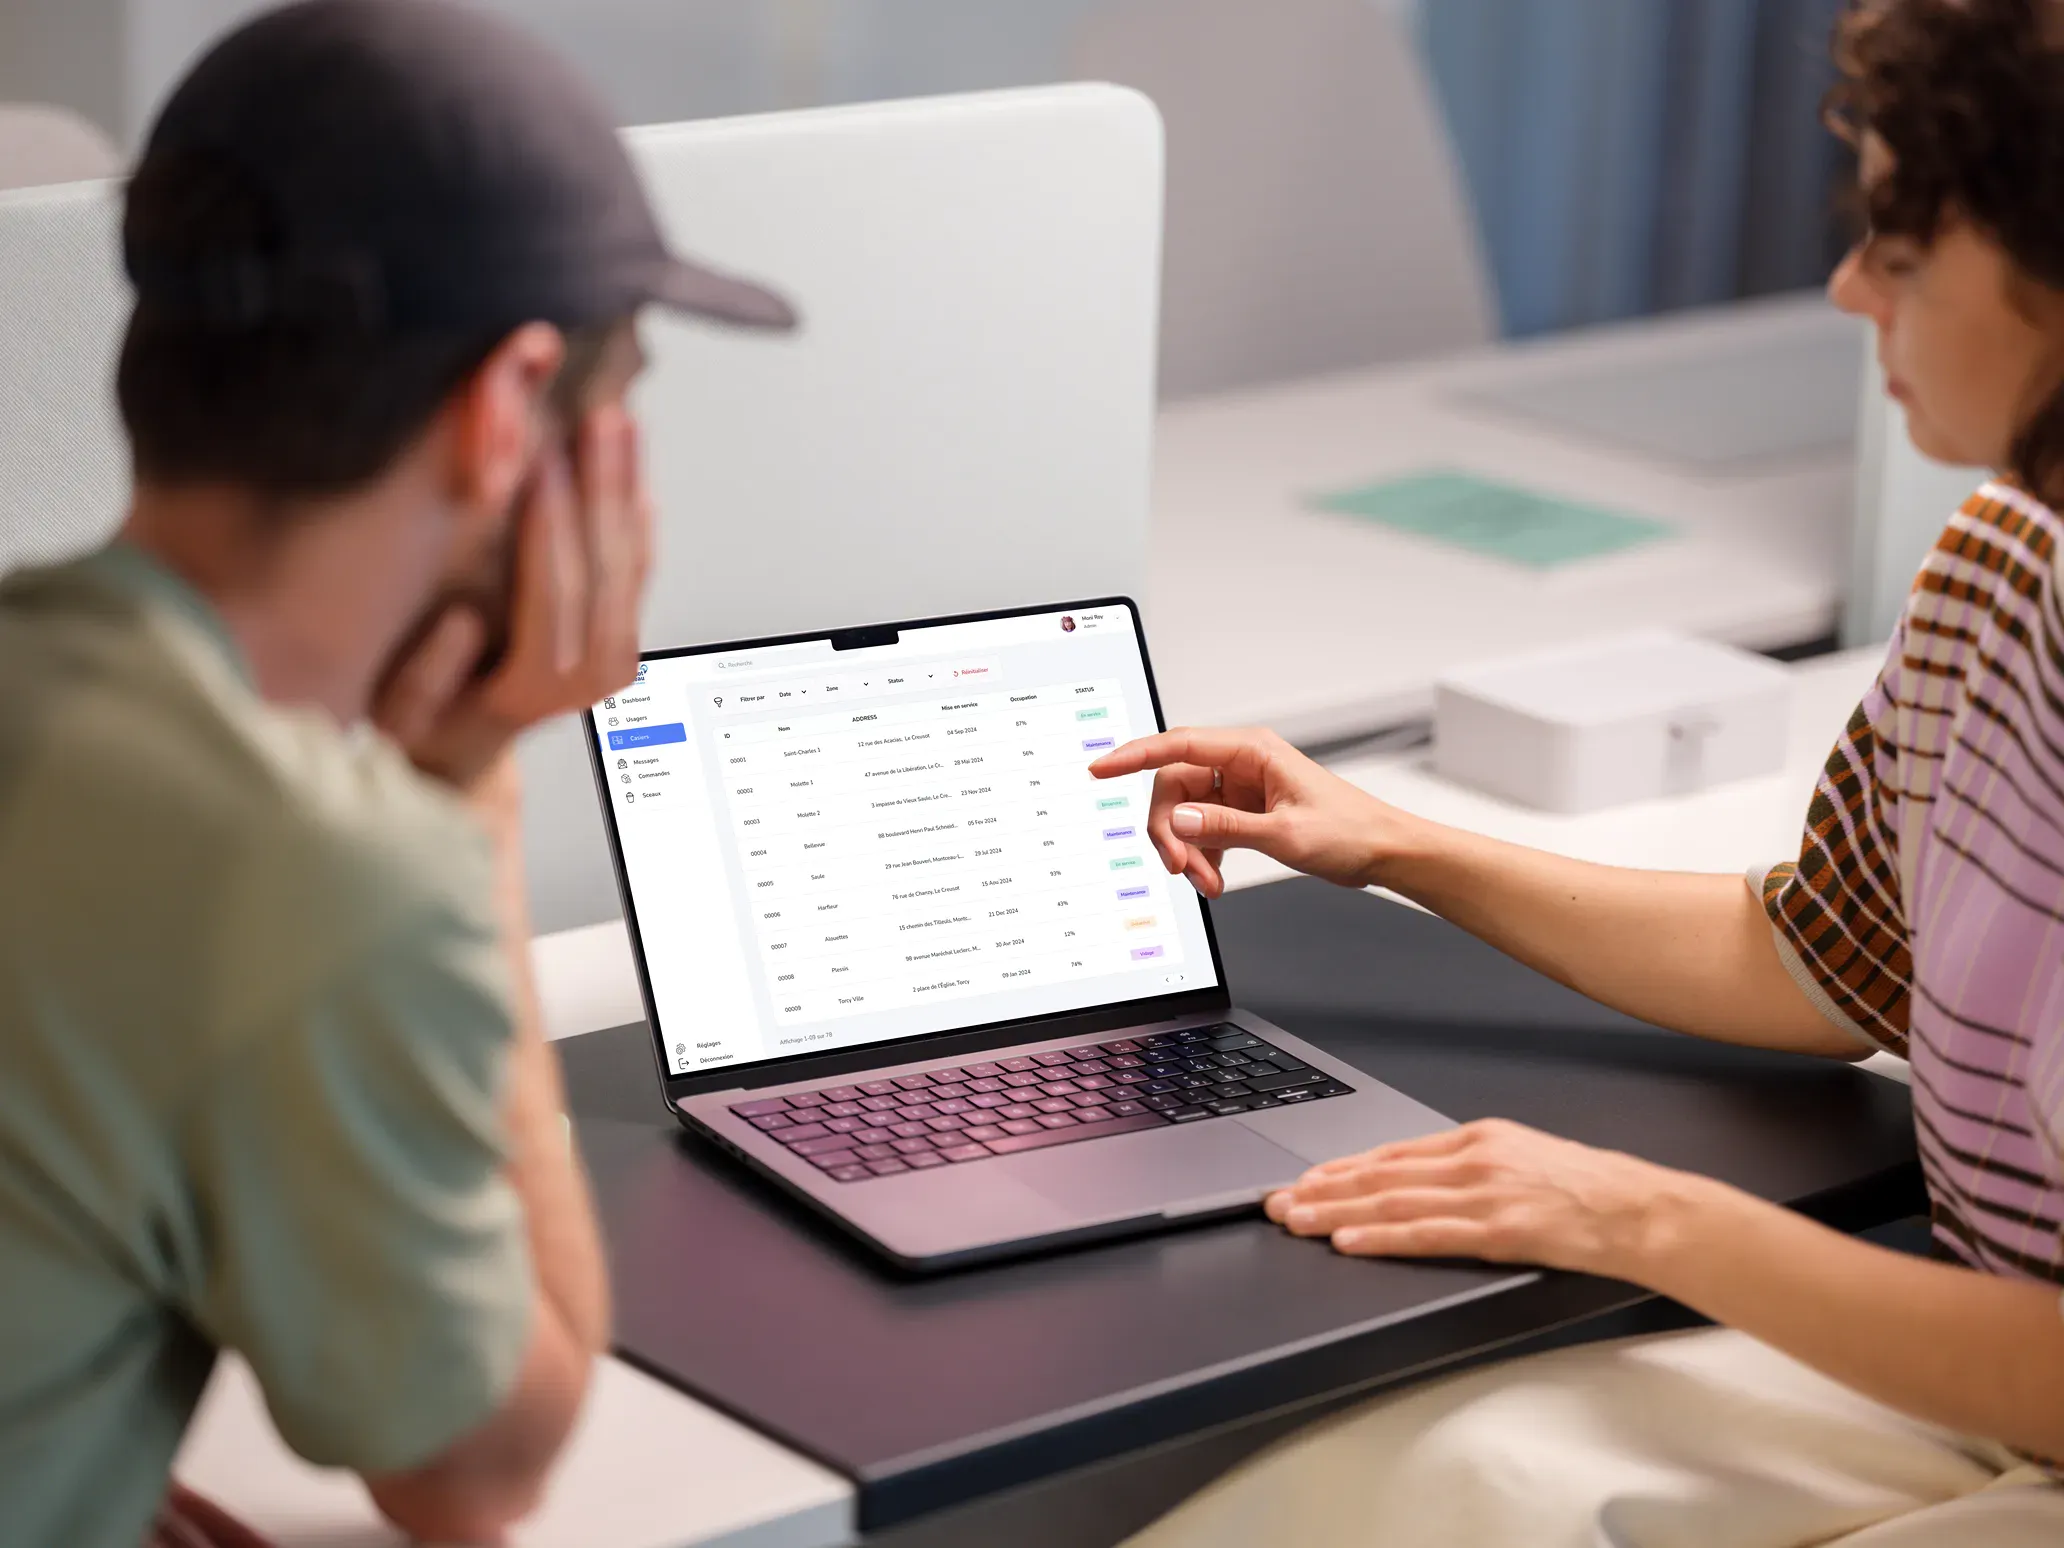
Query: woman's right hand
[(1220, 790)]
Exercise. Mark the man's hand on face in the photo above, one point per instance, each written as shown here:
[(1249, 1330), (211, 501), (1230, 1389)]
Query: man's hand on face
[(583, 546)]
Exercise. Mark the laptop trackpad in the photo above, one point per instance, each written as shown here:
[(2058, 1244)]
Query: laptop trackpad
[(1158, 1169)]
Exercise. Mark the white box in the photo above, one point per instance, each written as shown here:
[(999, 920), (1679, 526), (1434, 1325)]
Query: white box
[(1604, 724)]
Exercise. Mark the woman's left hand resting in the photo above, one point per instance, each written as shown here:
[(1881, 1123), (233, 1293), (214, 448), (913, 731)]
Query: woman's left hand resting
[(1977, 1353), (1492, 1190)]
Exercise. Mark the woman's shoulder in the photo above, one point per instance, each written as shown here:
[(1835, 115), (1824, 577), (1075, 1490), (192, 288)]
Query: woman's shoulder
[(1992, 563), (2000, 525)]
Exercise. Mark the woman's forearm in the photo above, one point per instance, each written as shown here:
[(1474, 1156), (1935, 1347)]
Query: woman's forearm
[(1691, 952), (1977, 1354), (1694, 953)]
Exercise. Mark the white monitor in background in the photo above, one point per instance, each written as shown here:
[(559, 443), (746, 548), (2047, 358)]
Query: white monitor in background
[(1903, 500)]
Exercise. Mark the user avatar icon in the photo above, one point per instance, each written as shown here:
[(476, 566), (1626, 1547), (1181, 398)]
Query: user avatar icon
[(1067, 623)]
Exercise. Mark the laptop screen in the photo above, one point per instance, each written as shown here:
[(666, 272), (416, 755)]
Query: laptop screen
[(828, 848)]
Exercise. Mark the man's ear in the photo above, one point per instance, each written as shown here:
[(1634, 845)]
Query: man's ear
[(496, 418)]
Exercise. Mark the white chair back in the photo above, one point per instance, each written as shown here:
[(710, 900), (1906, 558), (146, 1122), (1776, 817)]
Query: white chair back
[(1316, 220)]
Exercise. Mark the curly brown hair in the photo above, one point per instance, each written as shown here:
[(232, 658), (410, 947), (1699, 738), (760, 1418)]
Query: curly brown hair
[(1968, 96)]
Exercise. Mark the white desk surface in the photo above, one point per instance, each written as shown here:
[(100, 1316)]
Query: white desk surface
[(647, 1468), (1261, 610)]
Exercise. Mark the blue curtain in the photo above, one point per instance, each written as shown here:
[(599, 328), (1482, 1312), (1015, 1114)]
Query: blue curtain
[(1631, 156)]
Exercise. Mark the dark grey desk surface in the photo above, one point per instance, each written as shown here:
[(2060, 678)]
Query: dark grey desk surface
[(932, 1393)]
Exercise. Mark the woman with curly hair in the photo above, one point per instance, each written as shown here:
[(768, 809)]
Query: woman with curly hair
[(1849, 1394)]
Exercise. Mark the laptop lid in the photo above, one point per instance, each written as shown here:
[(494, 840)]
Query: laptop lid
[(847, 843)]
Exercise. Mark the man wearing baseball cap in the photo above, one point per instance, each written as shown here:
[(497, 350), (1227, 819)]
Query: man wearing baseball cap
[(271, 1075)]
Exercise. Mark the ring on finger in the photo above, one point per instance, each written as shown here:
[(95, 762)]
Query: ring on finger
[(1217, 780)]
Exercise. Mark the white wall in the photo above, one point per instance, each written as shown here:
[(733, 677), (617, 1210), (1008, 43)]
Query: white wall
[(657, 61), (67, 52)]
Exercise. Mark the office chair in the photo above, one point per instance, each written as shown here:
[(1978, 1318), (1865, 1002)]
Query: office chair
[(41, 145), (1316, 219)]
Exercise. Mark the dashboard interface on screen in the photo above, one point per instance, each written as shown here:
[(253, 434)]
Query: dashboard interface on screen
[(830, 848)]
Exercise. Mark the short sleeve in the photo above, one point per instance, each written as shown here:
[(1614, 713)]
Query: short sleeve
[(1839, 920), (365, 1251)]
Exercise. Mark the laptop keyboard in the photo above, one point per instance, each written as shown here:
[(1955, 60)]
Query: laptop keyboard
[(999, 1107)]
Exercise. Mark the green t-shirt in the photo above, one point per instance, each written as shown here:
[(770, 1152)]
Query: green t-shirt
[(254, 1018)]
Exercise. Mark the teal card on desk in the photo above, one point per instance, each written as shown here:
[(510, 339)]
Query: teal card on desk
[(1503, 521)]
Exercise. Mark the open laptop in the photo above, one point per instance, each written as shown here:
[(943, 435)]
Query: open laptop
[(902, 954)]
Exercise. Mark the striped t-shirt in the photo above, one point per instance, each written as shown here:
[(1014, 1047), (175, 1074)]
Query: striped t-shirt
[(1926, 910)]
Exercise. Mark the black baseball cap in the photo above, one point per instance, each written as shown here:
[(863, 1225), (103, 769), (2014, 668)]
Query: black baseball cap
[(419, 165)]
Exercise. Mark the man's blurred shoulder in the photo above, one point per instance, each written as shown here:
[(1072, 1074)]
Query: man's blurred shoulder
[(152, 803)]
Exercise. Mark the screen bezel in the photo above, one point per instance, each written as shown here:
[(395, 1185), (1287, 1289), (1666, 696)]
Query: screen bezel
[(803, 1066)]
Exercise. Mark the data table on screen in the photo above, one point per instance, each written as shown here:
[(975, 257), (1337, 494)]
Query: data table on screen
[(946, 847), (827, 846)]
